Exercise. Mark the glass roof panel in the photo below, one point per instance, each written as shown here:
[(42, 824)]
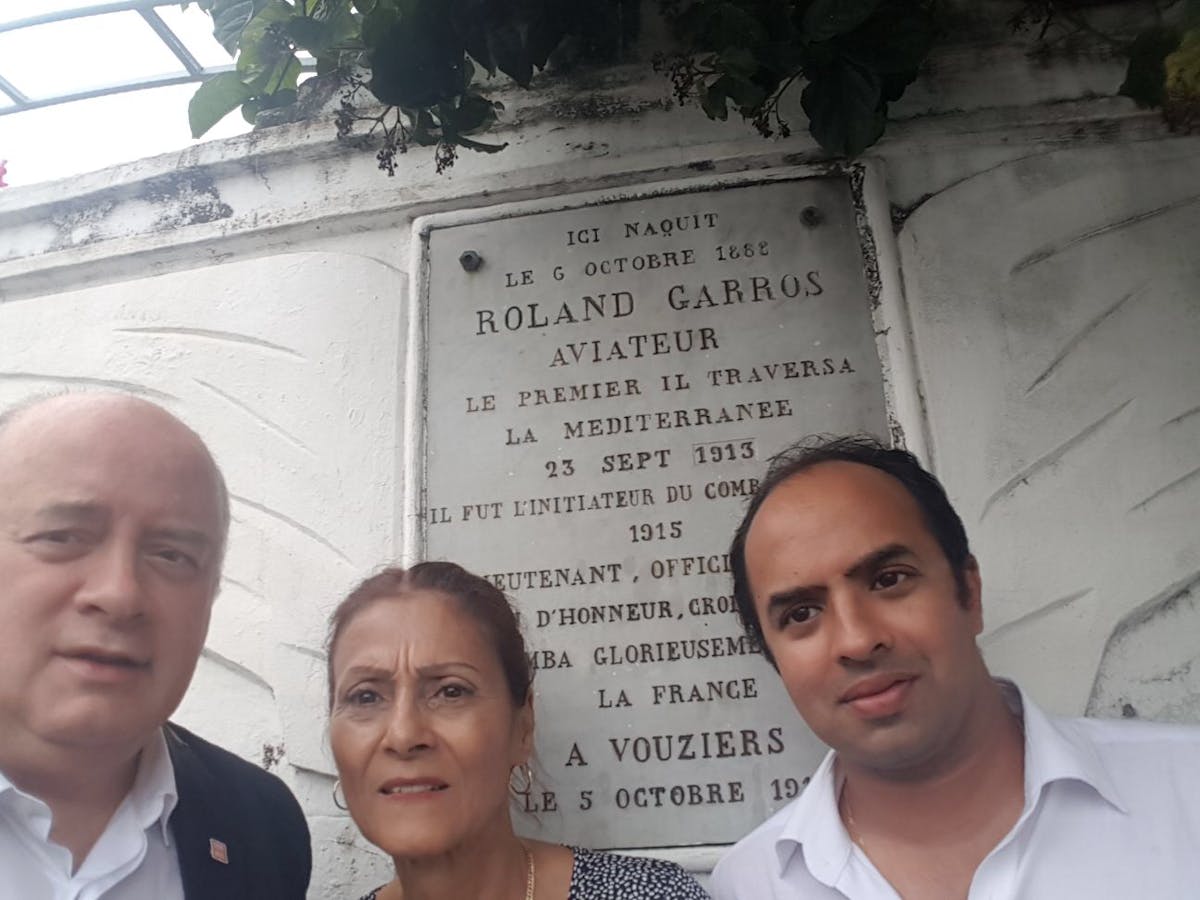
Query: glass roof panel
[(194, 27), (76, 54), (73, 138), (12, 10), (87, 101)]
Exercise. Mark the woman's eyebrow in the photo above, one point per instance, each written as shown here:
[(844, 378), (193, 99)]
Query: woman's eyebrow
[(373, 673), (447, 668)]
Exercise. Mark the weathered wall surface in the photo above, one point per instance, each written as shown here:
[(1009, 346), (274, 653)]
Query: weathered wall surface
[(1045, 237), (1056, 340)]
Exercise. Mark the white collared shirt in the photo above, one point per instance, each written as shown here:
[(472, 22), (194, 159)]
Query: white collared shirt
[(1112, 809), (132, 860)]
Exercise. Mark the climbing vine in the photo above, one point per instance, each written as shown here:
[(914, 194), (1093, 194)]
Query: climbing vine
[(853, 57), (423, 60), (1163, 69), (413, 71)]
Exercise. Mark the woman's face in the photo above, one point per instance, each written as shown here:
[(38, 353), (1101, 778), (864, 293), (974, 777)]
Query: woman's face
[(423, 727)]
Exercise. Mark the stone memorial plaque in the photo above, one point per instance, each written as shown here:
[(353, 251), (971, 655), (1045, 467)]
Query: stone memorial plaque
[(604, 385)]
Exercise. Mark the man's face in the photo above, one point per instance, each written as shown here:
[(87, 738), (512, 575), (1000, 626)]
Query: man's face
[(109, 533), (864, 617)]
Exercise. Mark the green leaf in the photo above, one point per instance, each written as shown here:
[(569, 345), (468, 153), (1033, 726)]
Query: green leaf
[(508, 50), (818, 56), (475, 41), (714, 101), (423, 128), (739, 60), (544, 36), (1146, 77), (784, 57), (894, 84), (284, 79), (746, 94), (268, 71), (230, 18), (479, 146), (267, 62), (693, 19), (250, 109), (731, 25), (419, 63), (845, 108), (896, 39), (214, 100), (268, 22), (331, 62), (310, 34), (1183, 66), (376, 25), (473, 114), (280, 98), (825, 19), (1181, 106), (332, 26), (716, 24), (264, 44)]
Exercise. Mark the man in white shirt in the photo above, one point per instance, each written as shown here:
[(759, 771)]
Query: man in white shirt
[(113, 520), (853, 572)]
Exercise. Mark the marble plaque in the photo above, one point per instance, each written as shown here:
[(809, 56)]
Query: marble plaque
[(605, 383)]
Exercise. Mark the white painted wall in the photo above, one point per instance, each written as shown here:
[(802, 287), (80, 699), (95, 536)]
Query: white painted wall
[(1046, 244)]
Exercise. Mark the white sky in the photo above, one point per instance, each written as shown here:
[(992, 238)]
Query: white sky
[(72, 138)]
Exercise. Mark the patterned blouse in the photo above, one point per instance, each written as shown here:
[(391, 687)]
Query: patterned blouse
[(608, 876)]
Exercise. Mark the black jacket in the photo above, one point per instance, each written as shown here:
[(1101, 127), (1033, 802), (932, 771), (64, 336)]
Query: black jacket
[(231, 808)]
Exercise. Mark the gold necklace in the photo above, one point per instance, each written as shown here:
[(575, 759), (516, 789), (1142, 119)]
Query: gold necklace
[(848, 818), (530, 873)]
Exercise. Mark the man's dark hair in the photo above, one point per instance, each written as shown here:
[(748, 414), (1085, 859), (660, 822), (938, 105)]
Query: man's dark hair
[(940, 518)]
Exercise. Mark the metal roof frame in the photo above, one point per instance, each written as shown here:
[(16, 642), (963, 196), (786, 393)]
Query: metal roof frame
[(193, 70)]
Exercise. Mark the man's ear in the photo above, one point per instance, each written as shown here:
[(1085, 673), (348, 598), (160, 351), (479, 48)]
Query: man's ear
[(972, 599)]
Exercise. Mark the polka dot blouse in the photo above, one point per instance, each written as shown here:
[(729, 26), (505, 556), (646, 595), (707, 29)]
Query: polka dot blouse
[(607, 876)]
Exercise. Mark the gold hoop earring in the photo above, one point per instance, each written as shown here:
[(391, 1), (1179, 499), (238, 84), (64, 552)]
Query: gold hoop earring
[(342, 806), (522, 772)]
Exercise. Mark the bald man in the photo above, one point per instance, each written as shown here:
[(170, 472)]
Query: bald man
[(113, 521)]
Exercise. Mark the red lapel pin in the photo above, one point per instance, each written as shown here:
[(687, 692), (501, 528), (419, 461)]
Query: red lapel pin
[(218, 851)]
